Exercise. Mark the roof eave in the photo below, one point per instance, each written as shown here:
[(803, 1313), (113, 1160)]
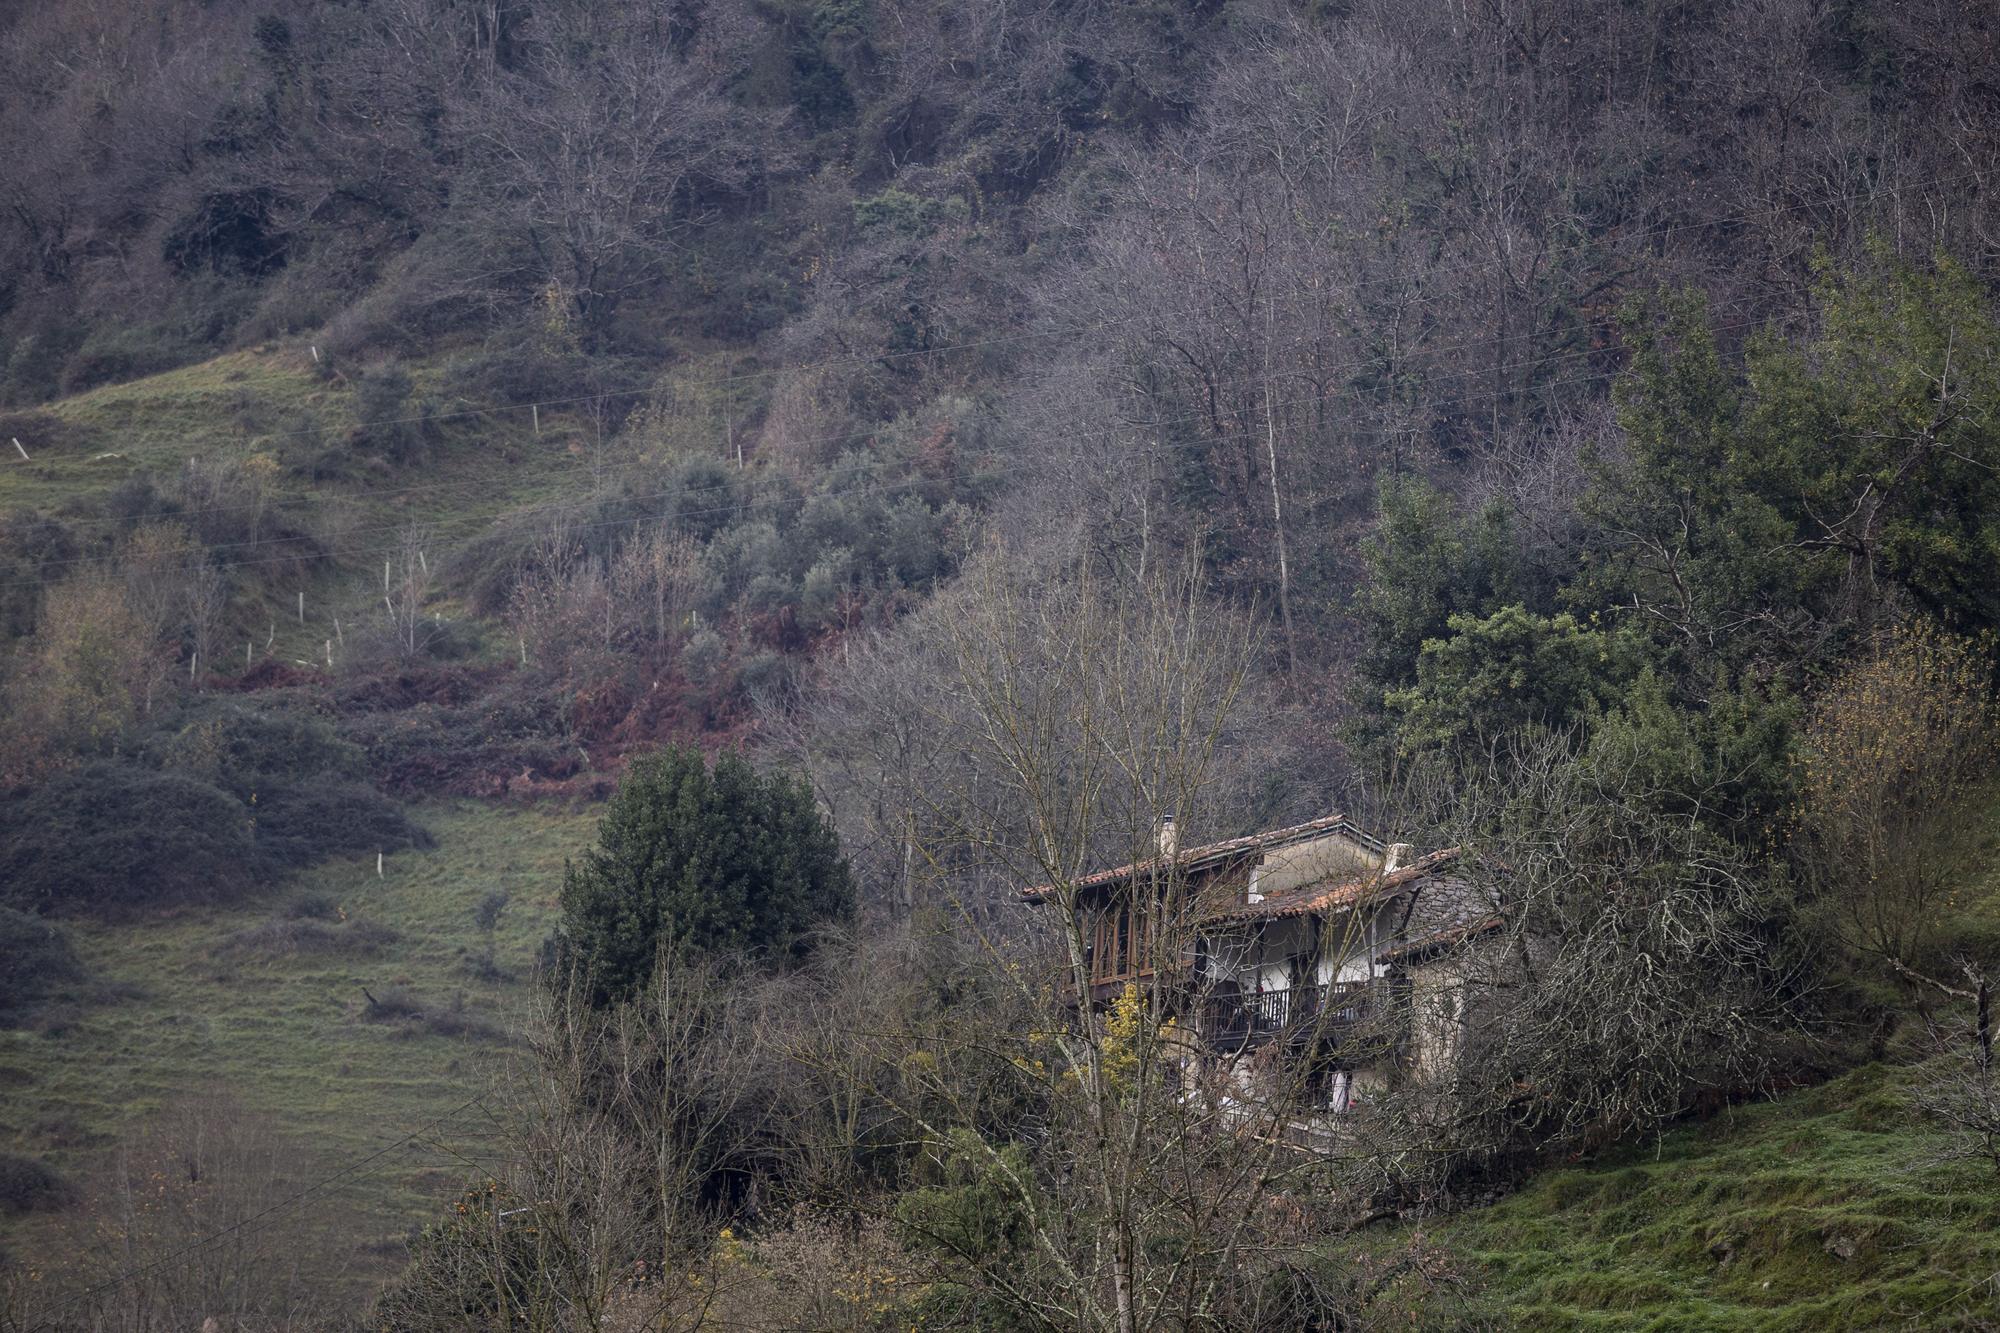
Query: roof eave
[(1197, 858)]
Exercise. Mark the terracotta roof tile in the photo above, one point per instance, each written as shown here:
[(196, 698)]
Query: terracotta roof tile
[(1441, 939), (1327, 894), (1195, 857)]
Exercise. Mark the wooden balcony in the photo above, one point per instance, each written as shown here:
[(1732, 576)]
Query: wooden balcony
[(1325, 1017)]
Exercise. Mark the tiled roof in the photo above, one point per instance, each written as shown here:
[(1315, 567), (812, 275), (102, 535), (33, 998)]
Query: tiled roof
[(1194, 858), (1445, 937), (1328, 894)]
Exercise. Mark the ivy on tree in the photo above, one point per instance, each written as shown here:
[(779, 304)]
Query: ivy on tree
[(718, 860)]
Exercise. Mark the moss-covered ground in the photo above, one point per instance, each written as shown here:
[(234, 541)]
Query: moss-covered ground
[(1835, 1207), (1824, 1209)]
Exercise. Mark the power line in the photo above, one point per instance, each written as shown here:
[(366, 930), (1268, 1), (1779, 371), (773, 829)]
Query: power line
[(131, 1275), (464, 482), (1055, 331), (556, 506), (752, 503)]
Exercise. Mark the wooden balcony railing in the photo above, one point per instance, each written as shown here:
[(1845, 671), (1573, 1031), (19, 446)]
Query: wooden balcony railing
[(1299, 1014)]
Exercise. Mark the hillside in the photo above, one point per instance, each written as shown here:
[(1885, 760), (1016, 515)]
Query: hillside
[(260, 1015), (1827, 1208), (563, 564)]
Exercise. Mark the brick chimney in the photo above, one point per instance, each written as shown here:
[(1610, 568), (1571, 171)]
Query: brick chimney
[(1170, 841), (1400, 855)]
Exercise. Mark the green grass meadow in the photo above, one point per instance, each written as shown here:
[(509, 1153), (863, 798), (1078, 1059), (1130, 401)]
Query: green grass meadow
[(191, 1010), (270, 401)]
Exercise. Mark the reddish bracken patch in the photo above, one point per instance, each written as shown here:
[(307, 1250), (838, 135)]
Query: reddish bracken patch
[(670, 711), (268, 673), (497, 732), (776, 629), (406, 687)]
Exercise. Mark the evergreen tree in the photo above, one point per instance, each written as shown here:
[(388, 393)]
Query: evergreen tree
[(718, 860), (1767, 519)]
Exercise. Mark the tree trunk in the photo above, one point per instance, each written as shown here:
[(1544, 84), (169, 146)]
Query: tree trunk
[(1278, 524)]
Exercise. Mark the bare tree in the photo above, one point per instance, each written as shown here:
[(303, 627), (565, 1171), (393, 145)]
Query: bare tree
[(1095, 711), (191, 1221), (624, 1129), (205, 608), (657, 581), (1959, 1087), (406, 590), (606, 145)]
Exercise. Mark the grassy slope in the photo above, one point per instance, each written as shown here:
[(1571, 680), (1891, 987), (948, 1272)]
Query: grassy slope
[(1740, 1223), (271, 400), (1743, 1223), (152, 424), (286, 1035), (247, 403)]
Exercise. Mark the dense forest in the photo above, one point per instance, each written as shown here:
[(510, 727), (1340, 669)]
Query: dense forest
[(870, 458)]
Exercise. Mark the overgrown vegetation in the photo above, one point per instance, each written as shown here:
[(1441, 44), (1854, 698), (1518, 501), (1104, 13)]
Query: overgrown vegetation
[(899, 452), (1824, 1209), (231, 798)]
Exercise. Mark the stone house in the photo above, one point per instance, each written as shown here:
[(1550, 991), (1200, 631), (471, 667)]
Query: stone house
[(1316, 950)]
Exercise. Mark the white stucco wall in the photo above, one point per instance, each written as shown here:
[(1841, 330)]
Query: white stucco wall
[(1259, 957)]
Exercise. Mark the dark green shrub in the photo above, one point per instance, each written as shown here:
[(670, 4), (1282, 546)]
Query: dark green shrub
[(113, 836), (238, 798), (29, 1186), (300, 823), (40, 964), (765, 675), (243, 749), (716, 860), (702, 497), (976, 1212)]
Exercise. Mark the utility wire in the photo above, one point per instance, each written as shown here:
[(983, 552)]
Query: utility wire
[(133, 1274), (753, 503), (723, 487), (1054, 331), (866, 359)]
